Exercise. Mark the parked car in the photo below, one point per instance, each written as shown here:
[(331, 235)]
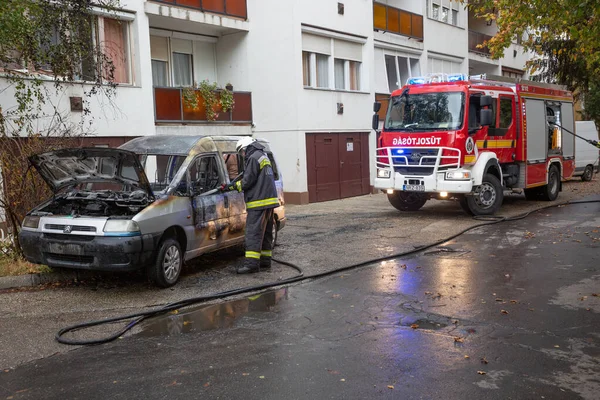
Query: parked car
[(153, 203), (587, 157)]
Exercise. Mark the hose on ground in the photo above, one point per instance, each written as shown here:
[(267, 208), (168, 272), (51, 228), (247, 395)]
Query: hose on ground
[(135, 318)]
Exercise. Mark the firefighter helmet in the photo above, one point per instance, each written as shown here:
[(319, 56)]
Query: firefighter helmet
[(243, 143)]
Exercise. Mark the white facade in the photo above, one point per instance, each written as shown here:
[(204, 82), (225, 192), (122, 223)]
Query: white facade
[(299, 59)]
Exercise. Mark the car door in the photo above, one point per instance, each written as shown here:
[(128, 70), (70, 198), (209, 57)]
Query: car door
[(237, 205), (209, 205)]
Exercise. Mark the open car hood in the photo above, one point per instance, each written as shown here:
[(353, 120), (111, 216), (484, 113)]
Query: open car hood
[(69, 167)]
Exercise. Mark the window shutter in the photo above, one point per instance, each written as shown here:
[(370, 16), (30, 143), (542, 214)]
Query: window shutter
[(316, 44), (347, 50)]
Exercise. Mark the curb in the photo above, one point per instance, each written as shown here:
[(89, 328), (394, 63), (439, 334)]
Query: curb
[(29, 280)]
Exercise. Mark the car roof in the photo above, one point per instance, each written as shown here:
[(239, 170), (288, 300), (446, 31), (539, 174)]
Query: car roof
[(172, 144)]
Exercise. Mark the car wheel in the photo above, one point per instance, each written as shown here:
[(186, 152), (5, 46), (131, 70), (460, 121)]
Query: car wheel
[(550, 191), (487, 197), (464, 205), (407, 201), (167, 268), (588, 173), (275, 233)]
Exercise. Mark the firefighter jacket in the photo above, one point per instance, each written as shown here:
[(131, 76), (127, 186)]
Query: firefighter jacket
[(258, 182)]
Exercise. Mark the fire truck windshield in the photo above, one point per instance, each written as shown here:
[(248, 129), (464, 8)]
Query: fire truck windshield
[(426, 112)]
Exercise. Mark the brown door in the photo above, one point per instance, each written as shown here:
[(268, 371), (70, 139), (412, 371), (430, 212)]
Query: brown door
[(338, 165)]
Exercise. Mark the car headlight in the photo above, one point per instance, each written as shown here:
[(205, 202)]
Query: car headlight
[(458, 175), (31, 221), (121, 227), (383, 173)]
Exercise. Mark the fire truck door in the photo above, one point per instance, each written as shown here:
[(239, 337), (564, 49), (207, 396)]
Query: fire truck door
[(537, 141)]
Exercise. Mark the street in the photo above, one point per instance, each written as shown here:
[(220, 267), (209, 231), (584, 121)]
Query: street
[(505, 311)]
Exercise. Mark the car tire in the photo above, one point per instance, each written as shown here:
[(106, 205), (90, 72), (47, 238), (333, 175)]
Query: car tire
[(550, 191), (465, 205), (487, 198), (407, 201), (588, 173), (169, 262)]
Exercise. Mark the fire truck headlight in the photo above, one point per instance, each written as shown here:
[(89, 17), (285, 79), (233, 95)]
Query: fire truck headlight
[(458, 175), (383, 173)]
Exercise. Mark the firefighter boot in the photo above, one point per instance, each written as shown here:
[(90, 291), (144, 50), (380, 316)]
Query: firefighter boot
[(265, 262), (250, 266)]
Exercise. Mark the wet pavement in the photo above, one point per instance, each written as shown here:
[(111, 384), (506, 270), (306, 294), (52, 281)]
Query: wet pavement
[(508, 311)]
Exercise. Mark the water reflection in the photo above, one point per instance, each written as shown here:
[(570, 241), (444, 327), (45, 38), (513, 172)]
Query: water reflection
[(214, 316)]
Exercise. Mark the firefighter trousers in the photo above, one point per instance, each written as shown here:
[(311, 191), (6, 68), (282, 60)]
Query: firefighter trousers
[(259, 236)]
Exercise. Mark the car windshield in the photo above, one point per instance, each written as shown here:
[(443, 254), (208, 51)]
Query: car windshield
[(160, 169), (426, 112)]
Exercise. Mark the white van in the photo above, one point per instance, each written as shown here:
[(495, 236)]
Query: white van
[(587, 157)]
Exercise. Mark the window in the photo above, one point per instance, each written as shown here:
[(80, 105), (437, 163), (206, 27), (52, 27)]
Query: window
[(306, 68), (424, 112), (160, 73), (399, 69), (338, 67), (204, 175), (331, 63), (182, 69), (322, 70), (160, 169), (446, 11), (437, 65), (506, 112)]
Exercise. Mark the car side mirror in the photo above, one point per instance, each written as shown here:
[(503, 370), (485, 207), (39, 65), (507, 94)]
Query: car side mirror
[(376, 106), (375, 124), (485, 101), (485, 117)]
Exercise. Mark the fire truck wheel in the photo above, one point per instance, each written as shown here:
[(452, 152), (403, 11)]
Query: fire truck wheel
[(550, 191), (487, 197), (464, 205), (407, 201), (588, 173)]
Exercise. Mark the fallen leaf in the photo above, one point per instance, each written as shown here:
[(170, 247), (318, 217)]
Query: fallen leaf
[(414, 326), (419, 267), (499, 300), (455, 322), (186, 323), (557, 346), (481, 372), (207, 384), (336, 296), (403, 266), (514, 301), (342, 380), (467, 357), (427, 292), (261, 377), (458, 339), (390, 386), (245, 374), (583, 298), (532, 309), (484, 360), (596, 294), (504, 311)]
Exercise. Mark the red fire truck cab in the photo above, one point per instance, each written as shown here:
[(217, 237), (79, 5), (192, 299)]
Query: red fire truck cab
[(453, 137)]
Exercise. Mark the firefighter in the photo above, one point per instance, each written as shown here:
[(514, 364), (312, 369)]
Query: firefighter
[(260, 194)]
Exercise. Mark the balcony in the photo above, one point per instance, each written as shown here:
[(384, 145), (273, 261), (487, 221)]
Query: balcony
[(230, 8), (395, 20), (476, 39), (169, 107)]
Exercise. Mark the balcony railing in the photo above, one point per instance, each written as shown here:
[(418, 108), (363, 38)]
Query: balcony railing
[(476, 39), (232, 8), (169, 106), (394, 20)]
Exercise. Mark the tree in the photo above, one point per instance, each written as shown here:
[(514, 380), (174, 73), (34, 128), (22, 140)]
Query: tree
[(45, 47), (564, 34)]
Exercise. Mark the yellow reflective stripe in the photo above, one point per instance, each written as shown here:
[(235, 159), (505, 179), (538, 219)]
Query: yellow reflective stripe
[(264, 163), (494, 144), (470, 159), (260, 203), (253, 254), (238, 186), (266, 253)]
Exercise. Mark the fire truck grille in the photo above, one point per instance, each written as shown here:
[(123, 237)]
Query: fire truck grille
[(416, 161)]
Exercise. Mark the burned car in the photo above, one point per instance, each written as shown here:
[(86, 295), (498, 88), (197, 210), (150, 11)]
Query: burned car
[(153, 203)]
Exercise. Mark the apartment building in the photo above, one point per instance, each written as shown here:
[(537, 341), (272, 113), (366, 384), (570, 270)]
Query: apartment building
[(304, 74)]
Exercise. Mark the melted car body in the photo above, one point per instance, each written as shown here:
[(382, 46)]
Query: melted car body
[(153, 203)]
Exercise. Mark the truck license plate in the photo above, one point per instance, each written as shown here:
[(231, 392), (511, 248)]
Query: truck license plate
[(413, 188)]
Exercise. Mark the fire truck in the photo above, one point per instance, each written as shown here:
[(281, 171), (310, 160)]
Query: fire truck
[(449, 136)]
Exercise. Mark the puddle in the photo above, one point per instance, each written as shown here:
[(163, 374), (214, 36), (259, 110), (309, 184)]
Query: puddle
[(215, 316), (426, 324), (446, 251)]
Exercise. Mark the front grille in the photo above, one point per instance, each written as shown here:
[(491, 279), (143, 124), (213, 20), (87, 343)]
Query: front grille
[(71, 258), (74, 228), (66, 237), (415, 161)]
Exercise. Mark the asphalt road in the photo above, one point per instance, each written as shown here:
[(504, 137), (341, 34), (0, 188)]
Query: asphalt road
[(319, 237), (508, 311)]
